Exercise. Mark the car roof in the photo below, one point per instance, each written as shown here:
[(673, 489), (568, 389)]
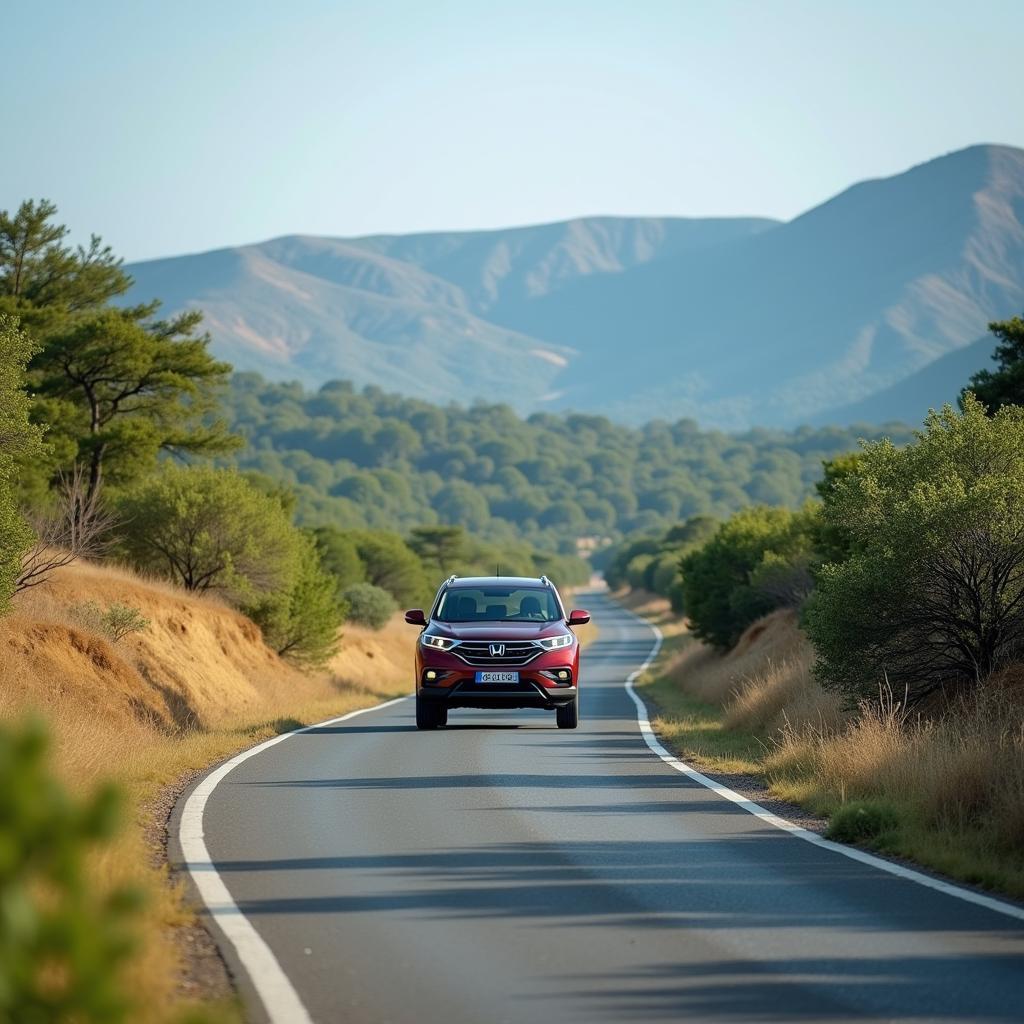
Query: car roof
[(498, 581)]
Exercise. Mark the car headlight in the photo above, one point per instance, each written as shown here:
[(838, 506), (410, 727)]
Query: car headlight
[(556, 643), (437, 643)]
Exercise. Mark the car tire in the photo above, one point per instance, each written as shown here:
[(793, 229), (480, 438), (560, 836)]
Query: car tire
[(427, 716), (568, 715)]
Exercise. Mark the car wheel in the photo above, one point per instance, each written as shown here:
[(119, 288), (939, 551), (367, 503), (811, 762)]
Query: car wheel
[(427, 716), (568, 716)]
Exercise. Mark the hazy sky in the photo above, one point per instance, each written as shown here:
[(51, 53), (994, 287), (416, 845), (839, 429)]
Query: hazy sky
[(179, 126)]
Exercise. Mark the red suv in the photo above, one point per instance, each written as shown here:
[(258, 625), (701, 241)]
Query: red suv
[(497, 642)]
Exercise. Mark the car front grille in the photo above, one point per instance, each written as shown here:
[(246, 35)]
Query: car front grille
[(514, 652)]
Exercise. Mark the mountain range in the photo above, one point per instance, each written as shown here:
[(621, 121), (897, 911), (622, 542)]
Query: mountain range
[(871, 306)]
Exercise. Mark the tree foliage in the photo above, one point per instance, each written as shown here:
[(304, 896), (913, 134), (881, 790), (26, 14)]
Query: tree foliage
[(62, 944), (43, 280), (301, 621), (214, 530), (19, 441), (933, 592), (1005, 384), (390, 564), (723, 581), (369, 605), (208, 529), (121, 388), (339, 556), (366, 459), (115, 386), (441, 548)]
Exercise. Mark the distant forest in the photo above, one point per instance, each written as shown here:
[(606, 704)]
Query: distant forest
[(368, 458)]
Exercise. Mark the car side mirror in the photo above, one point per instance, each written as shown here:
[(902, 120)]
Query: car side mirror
[(415, 617), (578, 617)]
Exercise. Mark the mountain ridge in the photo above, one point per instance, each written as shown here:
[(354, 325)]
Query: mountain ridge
[(732, 321)]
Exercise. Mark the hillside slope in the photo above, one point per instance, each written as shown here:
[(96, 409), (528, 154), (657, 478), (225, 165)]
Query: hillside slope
[(735, 322), (932, 387), (197, 665), (838, 304), (427, 315), (153, 710)]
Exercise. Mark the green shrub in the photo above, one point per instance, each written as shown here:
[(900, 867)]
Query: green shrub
[(718, 595), (863, 821), (115, 622), (62, 946), (301, 621), (636, 570), (389, 563), (932, 595), (369, 605), (209, 529), (339, 556), (661, 571)]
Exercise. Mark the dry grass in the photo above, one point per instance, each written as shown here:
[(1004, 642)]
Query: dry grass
[(197, 685), (763, 684), (961, 774), (955, 781)]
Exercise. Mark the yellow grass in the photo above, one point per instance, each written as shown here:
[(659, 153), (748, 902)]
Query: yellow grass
[(956, 781), (197, 685)]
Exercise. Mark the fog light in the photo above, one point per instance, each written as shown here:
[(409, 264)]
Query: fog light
[(431, 676), (563, 674)]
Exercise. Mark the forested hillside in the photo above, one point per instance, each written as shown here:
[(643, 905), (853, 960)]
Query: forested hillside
[(368, 458)]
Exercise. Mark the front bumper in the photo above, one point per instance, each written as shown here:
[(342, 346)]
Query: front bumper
[(529, 693)]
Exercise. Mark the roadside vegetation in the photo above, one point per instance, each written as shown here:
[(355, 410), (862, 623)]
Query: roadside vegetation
[(161, 608), (864, 654)]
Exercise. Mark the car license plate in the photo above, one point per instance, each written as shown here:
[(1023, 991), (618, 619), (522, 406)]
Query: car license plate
[(497, 677)]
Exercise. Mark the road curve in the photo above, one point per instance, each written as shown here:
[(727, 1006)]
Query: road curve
[(501, 870)]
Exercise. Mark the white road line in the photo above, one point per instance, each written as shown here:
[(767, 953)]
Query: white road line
[(279, 998), (652, 741)]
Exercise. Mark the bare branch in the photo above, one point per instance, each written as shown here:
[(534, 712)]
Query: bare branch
[(78, 527)]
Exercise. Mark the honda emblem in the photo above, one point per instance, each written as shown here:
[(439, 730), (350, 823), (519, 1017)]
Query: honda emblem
[(497, 650)]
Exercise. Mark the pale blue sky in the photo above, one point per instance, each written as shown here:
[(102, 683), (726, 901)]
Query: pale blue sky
[(181, 126)]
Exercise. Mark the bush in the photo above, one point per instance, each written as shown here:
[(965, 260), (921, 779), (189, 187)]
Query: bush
[(339, 556), (636, 570), (663, 572), (717, 593), (209, 529), (389, 563), (863, 821), (301, 622), (62, 946), (213, 529), (615, 571), (933, 592), (369, 605), (115, 622)]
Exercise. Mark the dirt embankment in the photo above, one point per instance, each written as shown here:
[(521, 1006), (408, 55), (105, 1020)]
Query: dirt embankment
[(196, 665), (154, 708)]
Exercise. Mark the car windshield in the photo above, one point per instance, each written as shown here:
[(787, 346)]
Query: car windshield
[(498, 604)]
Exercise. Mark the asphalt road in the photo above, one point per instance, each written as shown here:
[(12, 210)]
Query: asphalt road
[(501, 870)]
